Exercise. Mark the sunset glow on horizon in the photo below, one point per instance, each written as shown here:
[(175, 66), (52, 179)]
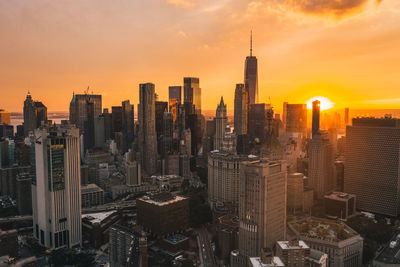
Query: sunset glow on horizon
[(326, 103)]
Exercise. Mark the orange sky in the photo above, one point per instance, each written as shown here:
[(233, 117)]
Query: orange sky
[(348, 50)]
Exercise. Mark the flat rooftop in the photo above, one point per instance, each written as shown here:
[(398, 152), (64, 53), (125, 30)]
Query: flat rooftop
[(293, 244), (90, 188), (339, 196), (98, 217), (322, 229), (256, 262), (162, 200)]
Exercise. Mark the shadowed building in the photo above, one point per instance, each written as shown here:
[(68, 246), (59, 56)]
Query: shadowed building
[(192, 92), (371, 168), (147, 128), (241, 109)]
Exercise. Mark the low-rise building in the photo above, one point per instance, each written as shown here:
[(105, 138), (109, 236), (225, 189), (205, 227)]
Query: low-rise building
[(340, 205), (343, 245), (163, 213), (120, 190), (293, 253), (95, 227), (92, 195)]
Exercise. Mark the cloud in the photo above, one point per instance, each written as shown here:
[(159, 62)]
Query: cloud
[(181, 3), (335, 8)]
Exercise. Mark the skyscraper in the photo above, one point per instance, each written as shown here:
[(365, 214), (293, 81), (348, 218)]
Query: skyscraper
[(221, 120), (128, 124), (321, 165), (78, 109), (296, 118), (174, 95), (315, 116), (241, 109), (34, 113), (147, 127), (56, 189), (128, 248), (372, 168), (346, 116), (262, 207), (192, 92), (251, 75)]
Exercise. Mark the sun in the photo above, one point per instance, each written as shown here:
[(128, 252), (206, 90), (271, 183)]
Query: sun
[(326, 103)]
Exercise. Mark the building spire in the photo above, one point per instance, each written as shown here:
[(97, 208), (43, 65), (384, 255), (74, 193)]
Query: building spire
[(251, 43)]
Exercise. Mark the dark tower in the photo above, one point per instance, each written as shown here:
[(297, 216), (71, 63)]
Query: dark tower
[(315, 116), (251, 75)]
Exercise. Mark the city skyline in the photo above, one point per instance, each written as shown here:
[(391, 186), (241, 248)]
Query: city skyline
[(302, 51)]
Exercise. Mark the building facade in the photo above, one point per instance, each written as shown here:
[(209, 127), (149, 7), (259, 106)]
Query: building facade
[(371, 168), (147, 128), (241, 109), (56, 189), (262, 207)]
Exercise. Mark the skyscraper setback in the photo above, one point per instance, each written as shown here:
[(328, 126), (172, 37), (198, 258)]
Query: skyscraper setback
[(251, 75), (221, 121), (34, 114), (56, 188)]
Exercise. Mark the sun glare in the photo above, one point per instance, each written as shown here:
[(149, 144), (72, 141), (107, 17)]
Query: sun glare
[(325, 102)]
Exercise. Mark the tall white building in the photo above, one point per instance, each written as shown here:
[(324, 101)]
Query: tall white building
[(221, 121), (262, 208), (56, 191)]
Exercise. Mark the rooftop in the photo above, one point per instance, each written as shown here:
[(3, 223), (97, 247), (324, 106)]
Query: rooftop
[(339, 196), (90, 188), (98, 217), (162, 199), (293, 244), (256, 262), (322, 229)]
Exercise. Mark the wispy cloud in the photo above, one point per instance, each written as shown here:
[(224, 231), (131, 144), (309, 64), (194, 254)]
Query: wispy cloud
[(181, 3)]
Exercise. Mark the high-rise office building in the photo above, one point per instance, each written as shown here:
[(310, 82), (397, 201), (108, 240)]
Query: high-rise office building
[(34, 114), (161, 107), (174, 95), (78, 110), (221, 121), (251, 75), (116, 115), (223, 177), (147, 128), (192, 92), (167, 134), (296, 118), (315, 116), (371, 168), (128, 248), (346, 116), (321, 165), (128, 124), (5, 117), (262, 207), (258, 121), (89, 136), (56, 189), (241, 109)]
